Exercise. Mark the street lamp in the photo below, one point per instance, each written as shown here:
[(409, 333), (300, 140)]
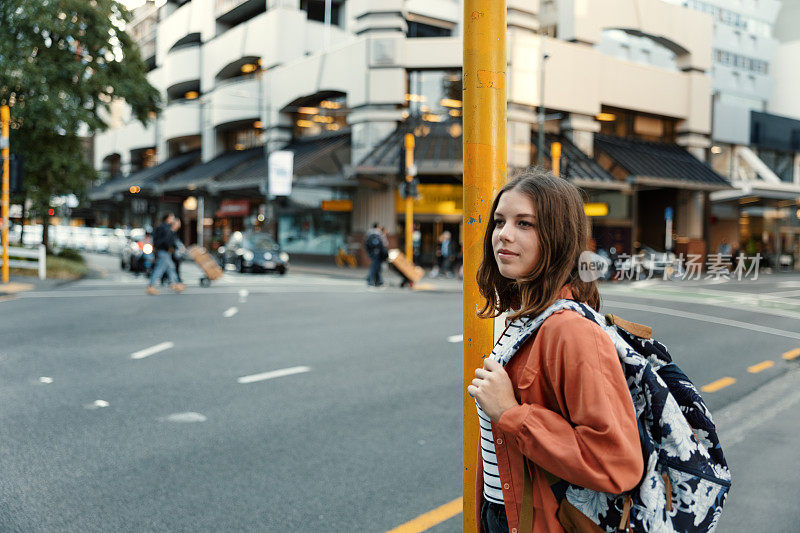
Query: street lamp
[(543, 58)]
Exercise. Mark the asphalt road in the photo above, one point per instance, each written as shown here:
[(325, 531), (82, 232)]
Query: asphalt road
[(123, 412)]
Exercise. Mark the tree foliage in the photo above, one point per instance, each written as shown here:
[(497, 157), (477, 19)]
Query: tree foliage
[(62, 63)]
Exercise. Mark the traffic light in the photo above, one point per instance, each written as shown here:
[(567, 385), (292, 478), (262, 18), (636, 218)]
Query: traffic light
[(409, 189), (17, 173)]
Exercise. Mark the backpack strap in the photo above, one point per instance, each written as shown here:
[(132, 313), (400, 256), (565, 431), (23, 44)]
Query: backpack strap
[(637, 330)]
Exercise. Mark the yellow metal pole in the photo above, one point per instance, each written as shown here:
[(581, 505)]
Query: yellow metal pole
[(5, 118), (484, 112), (409, 142), (555, 157)]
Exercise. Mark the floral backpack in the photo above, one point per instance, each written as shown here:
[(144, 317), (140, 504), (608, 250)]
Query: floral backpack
[(686, 478)]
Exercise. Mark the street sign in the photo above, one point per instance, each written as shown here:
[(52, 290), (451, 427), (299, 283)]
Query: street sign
[(668, 229), (281, 170)]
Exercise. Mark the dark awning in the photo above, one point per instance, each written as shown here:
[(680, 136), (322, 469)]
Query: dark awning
[(322, 161), (438, 150), (578, 167), (656, 163), (147, 178), (199, 176)]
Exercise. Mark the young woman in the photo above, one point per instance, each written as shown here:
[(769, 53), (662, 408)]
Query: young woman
[(561, 403)]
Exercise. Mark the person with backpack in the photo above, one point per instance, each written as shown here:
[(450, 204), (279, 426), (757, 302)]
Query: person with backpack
[(376, 246), (164, 242), (578, 430)]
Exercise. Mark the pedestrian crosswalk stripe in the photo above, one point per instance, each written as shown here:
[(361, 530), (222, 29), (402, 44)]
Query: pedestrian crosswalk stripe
[(714, 386)]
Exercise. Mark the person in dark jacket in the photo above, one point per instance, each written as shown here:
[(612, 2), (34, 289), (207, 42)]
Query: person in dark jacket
[(164, 242), (178, 252), (376, 246)]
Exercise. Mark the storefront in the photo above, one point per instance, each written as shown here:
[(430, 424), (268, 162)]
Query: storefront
[(315, 221), (231, 216), (437, 209)]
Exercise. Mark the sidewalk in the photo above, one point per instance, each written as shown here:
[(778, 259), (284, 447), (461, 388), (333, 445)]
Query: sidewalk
[(390, 277), (19, 284), (759, 437)]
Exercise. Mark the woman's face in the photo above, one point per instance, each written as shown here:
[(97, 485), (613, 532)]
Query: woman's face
[(515, 240)]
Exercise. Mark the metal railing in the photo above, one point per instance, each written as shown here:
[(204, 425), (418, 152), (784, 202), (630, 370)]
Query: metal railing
[(27, 254)]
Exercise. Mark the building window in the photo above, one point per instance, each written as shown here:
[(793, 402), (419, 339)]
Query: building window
[(781, 163), (624, 123), (315, 10), (418, 29), (730, 59), (243, 138), (434, 95), (732, 18), (317, 116)]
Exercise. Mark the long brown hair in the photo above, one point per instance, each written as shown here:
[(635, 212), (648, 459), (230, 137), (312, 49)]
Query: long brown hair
[(563, 234)]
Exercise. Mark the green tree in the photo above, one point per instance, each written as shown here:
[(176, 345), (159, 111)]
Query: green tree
[(62, 63)]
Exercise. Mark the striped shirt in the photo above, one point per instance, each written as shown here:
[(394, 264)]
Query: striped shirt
[(492, 490)]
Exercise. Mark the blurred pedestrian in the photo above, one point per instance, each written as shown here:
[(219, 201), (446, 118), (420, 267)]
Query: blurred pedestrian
[(376, 246), (164, 242), (447, 249), (559, 402), (178, 252)]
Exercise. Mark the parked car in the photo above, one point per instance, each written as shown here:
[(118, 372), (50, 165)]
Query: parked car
[(653, 263), (117, 241), (138, 256), (99, 240), (253, 252)]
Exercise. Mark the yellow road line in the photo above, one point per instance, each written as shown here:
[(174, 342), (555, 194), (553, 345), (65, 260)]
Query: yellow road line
[(714, 386), (431, 518), (792, 354), (763, 365)]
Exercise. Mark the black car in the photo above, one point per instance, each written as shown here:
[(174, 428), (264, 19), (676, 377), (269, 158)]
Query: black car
[(251, 251)]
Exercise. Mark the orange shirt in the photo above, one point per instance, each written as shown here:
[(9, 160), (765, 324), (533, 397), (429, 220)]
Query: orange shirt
[(569, 367)]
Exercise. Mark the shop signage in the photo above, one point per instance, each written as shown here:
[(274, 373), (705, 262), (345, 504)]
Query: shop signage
[(281, 169), (337, 205), (233, 208), (434, 199), (595, 209)]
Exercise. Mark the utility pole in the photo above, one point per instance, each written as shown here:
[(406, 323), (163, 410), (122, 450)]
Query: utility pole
[(5, 118), (484, 116), (410, 173)]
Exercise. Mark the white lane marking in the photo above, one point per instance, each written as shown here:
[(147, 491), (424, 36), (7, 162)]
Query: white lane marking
[(274, 374), (187, 417), (45, 379), (455, 338), (230, 312), (147, 352), (704, 318), (97, 404), (243, 295), (751, 305)]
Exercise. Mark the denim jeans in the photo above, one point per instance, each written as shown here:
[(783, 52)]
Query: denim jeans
[(493, 518), (375, 271), (164, 263)]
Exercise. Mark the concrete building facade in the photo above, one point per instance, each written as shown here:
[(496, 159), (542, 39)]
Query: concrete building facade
[(243, 78)]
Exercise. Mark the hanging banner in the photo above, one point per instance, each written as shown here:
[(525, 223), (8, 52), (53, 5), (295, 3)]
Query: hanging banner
[(281, 170)]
